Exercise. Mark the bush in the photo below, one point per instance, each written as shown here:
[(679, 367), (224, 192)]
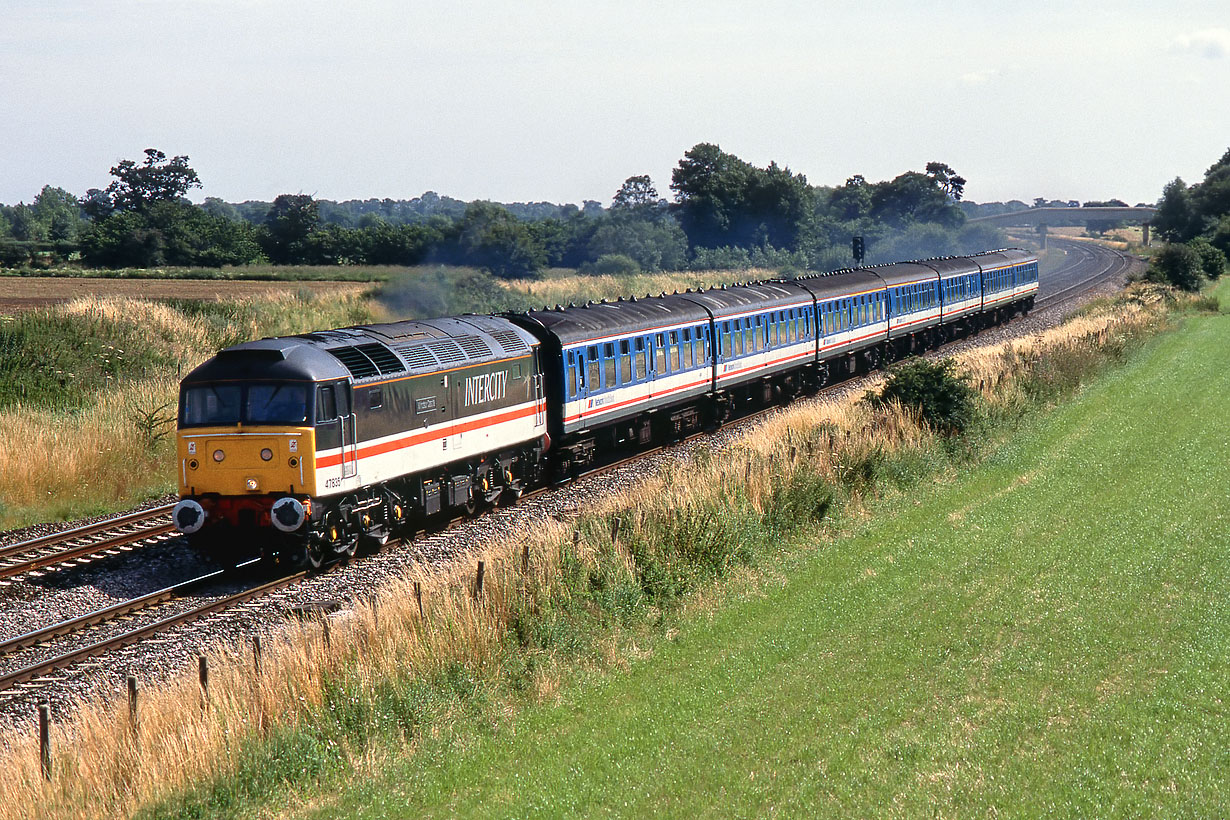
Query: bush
[(1212, 260), (1177, 265), (612, 264), (939, 393)]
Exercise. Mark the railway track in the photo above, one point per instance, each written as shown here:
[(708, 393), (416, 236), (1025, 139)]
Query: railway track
[(38, 670), (1086, 268), (1087, 265), (90, 542)]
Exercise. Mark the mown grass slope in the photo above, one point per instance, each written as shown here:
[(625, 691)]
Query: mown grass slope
[(1048, 634)]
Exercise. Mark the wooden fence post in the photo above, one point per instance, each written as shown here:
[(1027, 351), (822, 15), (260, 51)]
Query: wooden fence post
[(525, 558), (478, 581), (203, 673), (614, 530), (132, 704), (44, 738), (256, 653), (418, 597), (324, 626)]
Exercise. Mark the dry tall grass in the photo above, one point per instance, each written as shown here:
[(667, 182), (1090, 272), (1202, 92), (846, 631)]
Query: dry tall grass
[(93, 458), (103, 770)]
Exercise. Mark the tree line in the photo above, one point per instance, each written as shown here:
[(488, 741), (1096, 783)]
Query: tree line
[(725, 213)]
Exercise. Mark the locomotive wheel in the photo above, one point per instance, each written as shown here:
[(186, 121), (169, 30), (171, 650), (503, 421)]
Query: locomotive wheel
[(314, 553)]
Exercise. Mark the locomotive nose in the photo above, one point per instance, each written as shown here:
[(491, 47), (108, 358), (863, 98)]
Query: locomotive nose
[(188, 516)]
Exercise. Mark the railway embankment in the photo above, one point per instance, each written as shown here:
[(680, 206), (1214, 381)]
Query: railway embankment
[(445, 663)]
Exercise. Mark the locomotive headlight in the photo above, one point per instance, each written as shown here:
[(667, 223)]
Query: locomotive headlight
[(266, 454), (251, 484), (219, 455)]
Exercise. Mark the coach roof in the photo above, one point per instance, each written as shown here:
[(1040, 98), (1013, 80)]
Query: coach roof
[(582, 323)]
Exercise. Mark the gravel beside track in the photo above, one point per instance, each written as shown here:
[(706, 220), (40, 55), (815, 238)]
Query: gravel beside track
[(65, 592)]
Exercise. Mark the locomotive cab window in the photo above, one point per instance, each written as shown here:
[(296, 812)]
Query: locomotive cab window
[(254, 403), (375, 398)]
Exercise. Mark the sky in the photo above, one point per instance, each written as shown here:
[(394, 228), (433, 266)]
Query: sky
[(535, 100)]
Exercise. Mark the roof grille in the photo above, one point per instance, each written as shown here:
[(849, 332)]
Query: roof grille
[(446, 351), (359, 365), (418, 356), (474, 346), (365, 361), (384, 359), (510, 341)]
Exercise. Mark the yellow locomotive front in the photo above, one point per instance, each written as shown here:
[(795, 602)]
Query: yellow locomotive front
[(247, 450)]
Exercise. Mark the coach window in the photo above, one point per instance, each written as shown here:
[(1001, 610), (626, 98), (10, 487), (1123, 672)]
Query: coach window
[(609, 364), (673, 349), (593, 379), (625, 363), (638, 360), (571, 370), (688, 348), (660, 352)]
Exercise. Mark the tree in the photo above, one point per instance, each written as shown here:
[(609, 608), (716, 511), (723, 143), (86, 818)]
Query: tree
[(1211, 198), (653, 244), (1212, 260), (852, 201), (291, 219), (723, 201), (1175, 218), (137, 187), (947, 179), (493, 239), (59, 212), (710, 186), (1177, 265), (914, 197), (637, 194)]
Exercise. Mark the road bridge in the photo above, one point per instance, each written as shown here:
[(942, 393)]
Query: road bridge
[(1041, 217)]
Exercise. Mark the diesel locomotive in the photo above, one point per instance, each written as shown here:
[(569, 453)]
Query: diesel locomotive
[(307, 448)]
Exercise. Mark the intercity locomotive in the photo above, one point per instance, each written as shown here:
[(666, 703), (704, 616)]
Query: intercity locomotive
[(305, 448)]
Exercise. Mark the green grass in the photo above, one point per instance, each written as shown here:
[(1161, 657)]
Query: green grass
[(1048, 634)]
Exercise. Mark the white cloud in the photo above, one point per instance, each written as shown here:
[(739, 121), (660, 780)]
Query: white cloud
[(1211, 43)]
